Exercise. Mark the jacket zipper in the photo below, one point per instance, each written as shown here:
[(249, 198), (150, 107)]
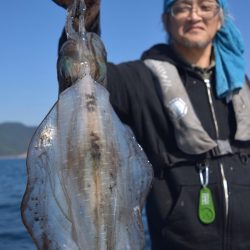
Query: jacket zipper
[(208, 85), (222, 171)]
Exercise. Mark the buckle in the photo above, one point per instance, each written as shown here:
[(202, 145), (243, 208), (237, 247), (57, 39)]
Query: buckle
[(223, 148), (201, 164)]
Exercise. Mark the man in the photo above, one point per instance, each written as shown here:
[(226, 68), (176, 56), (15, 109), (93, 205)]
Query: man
[(187, 103)]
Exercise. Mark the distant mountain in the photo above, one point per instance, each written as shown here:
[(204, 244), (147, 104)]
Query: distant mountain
[(14, 138)]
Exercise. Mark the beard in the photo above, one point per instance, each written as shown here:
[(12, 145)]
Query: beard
[(189, 44), (196, 45)]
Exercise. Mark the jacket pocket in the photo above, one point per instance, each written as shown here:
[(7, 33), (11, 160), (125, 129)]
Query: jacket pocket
[(239, 219), (183, 228)]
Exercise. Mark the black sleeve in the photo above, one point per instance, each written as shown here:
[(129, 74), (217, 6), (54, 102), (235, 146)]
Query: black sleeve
[(125, 83), (118, 88), (135, 96)]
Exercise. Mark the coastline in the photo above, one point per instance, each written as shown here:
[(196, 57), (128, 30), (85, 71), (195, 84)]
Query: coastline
[(14, 157)]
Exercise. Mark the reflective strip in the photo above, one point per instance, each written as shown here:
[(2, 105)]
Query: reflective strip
[(225, 188)]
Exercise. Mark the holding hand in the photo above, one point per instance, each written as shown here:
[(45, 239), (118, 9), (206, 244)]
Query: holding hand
[(63, 3), (92, 14)]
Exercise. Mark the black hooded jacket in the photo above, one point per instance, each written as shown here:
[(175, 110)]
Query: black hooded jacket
[(135, 94), (172, 205)]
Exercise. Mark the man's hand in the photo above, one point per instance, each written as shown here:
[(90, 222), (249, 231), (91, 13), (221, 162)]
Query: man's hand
[(92, 14), (63, 3)]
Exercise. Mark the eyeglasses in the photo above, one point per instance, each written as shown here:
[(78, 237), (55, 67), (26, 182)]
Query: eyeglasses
[(205, 10)]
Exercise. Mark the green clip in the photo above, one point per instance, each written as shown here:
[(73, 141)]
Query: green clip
[(206, 206)]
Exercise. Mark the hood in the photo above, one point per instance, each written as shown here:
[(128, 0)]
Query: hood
[(164, 52), (161, 52)]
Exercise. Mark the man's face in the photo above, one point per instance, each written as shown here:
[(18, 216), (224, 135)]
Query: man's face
[(193, 23)]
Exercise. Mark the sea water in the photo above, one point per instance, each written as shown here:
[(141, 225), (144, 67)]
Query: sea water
[(13, 235)]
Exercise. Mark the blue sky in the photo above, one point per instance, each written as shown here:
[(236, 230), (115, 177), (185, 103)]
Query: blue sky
[(29, 36)]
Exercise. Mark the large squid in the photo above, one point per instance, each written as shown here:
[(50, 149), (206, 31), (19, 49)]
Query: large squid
[(87, 176)]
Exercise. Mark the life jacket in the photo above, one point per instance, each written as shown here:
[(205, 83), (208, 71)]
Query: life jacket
[(190, 136)]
